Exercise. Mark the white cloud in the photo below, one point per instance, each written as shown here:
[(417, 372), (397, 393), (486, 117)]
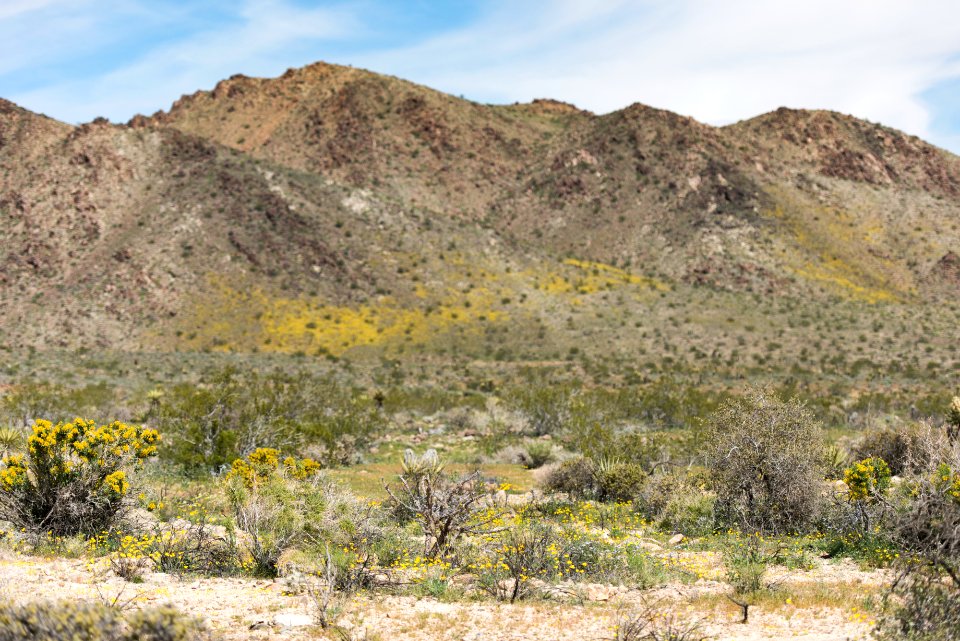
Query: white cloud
[(716, 61)]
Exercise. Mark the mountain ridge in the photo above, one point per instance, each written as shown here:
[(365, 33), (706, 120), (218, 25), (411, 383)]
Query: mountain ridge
[(333, 210)]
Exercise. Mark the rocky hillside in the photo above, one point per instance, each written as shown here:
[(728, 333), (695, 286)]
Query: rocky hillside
[(336, 211)]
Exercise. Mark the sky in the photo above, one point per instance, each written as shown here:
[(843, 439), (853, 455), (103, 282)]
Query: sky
[(896, 62)]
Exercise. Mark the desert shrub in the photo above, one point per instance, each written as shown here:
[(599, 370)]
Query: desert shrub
[(605, 479), (617, 480), (573, 476), (656, 492), (280, 505), (652, 623), (74, 476), (179, 547), (867, 480), (688, 510), (235, 413), (520, 554), (907, 449), (669, 403), (561, 410), (766, 458), (747, 563), (164, 623), (536, 454), (856, 521), (78, 621), (547, 408), (927, 606), (328, 601), (445, 508), (858, 530)]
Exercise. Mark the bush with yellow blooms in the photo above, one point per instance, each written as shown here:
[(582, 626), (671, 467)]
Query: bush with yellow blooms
[(74, 476)]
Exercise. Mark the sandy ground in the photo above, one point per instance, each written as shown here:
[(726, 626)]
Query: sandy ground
[(232, 605)]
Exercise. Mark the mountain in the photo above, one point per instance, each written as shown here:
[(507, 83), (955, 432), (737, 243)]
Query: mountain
[(335, 211)]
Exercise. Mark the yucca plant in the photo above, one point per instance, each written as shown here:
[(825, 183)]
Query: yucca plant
[(11, 441), (836, 460)]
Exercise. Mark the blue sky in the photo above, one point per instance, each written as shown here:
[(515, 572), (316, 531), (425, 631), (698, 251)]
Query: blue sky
[(895, 62)]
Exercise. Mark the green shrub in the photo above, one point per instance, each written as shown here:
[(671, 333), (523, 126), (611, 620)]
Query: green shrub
[(537, 454), (867, 480), (74, 476), (617, 480), (573, 476), (78, 621), (747, 563), (766, 459)]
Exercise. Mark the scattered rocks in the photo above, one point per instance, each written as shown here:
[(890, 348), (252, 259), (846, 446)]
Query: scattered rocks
[(677, 539)]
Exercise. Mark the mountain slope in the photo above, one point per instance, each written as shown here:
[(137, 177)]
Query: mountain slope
[(335, 211)]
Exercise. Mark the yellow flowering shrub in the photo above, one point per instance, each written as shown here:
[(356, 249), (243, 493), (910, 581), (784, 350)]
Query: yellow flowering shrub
[(948, 482), (867, 479), (284, 504), (264, 462), (74, 475)]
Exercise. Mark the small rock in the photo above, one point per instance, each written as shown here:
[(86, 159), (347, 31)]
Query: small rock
[(292, 620), (597, 592), (649, 545), (677, 539)]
